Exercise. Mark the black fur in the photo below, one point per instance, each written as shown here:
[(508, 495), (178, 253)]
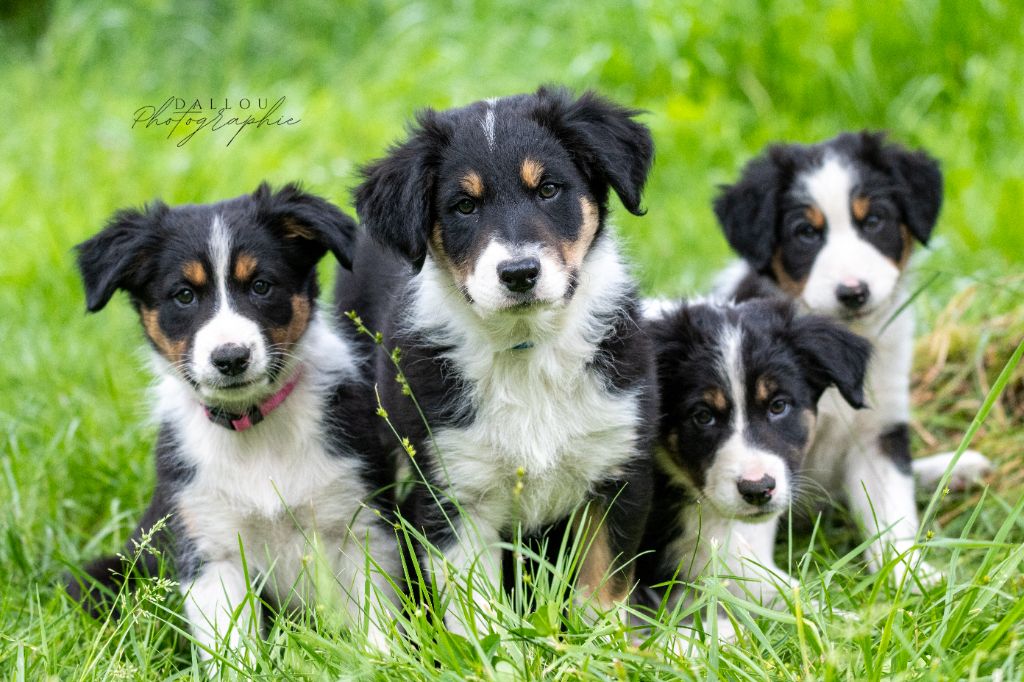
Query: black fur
[(407, 202), (758, 211), (800, 355), (143, 253)]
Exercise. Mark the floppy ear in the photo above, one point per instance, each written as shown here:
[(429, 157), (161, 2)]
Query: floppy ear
[(748, 211), (918, 183), (610, 148), (396, 198), (831, 355), (314, 223), (113, 259)]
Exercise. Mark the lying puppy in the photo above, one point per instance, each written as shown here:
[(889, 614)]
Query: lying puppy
[(739, 385), (518, 325), (258, 402), (832, 226)]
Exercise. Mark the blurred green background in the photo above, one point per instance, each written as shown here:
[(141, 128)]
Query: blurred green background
[(718, 80)]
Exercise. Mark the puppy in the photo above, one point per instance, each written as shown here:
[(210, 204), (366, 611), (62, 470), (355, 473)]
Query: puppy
[(490, 267), (739, 386), (832, 227), (259, 404)]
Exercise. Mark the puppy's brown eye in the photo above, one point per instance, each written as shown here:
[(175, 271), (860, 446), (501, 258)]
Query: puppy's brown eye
[(779, 407), (261, 287), (185, 296), (703, 417), (548, 190), (465, 206)]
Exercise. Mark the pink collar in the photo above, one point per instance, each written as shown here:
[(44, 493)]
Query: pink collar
[(255, 414)]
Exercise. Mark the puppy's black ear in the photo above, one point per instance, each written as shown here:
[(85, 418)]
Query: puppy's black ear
[(396, 198), (315, 224), (918, 182), (115, 258), (831, 355), (610, 148), (748, 211)]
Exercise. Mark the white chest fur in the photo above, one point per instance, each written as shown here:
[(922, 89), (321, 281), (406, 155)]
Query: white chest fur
[(275, 486), (546, 429)]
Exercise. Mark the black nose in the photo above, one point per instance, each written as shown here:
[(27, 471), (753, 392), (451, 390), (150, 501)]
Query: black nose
[(230, 359), (519, 275), (853, 297), (757, 492)]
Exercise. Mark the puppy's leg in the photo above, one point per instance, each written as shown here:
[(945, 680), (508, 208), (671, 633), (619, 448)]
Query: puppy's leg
[(880, 487), (370, 557), (471, 552), (218, 611), (969, 471)]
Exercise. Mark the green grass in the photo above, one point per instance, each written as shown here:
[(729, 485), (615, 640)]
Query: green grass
[(718, 80)]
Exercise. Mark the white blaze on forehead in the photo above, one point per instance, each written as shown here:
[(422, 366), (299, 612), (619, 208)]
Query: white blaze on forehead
[(830, 187), (226, 326), (488, 123), (731, 367)]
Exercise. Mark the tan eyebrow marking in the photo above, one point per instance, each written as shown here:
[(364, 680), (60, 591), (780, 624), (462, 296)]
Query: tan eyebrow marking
[(473, 184), (194, 272), (764, 388), (531, 173), (860, 207), (815, 217), (245, 265), (716, 398)]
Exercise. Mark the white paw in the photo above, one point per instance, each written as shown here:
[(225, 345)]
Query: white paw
[(970, 470)]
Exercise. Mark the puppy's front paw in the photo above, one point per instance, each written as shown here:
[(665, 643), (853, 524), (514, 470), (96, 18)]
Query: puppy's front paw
[(970, 470)]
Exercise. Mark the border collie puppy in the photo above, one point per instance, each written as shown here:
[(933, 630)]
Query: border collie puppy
[(259, 404), (832, 226), (489, 265), (739, 387)]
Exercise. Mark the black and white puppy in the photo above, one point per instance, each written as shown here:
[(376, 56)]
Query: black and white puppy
[(832, 226), (739, 386), (518, 323), (259, 403)]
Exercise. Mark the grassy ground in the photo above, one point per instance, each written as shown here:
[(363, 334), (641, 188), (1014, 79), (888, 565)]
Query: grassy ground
[(718, 80)]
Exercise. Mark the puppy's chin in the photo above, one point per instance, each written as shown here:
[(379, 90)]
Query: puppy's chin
[(516, 306), (236, 395), (738, 510)]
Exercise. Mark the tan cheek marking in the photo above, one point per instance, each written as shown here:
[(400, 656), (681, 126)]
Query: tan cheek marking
[(195, 273), (908, 247), (595, 576), (574, 251), (815, 217), (472, 184), (287, 336), (531, 173), (764, 388), (789, 285), (245, 265), (459, 272), (860, 207), (172, 350), (716, 398)]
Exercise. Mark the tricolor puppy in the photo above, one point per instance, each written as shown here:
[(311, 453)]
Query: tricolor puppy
[(259, 405), (739, 386), (518, 324), (832, 226)]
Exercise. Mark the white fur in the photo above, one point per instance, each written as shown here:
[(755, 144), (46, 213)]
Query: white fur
[(490, 295), (488, 124), (968, 471), (844, 258), (295, 509), (543, 418), (227, 327)]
